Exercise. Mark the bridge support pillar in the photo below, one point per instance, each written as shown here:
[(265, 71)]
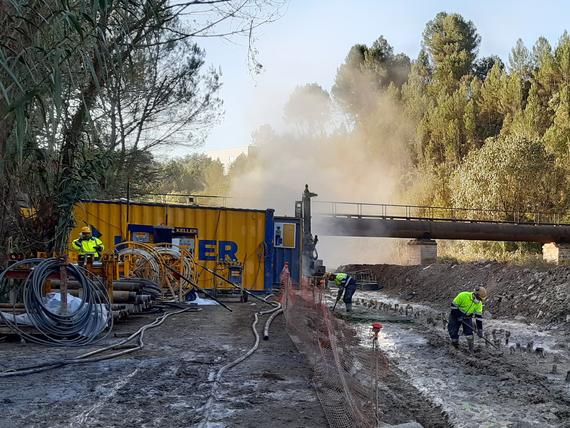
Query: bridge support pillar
[(421, 252), (556, 253)]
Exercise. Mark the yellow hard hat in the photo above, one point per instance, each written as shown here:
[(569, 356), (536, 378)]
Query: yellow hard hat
[(86, 229), (481, 293)]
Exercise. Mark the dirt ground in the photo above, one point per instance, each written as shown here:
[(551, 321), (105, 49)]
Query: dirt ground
[(400, 402), (348, 372), (168, 383), (422, 379)]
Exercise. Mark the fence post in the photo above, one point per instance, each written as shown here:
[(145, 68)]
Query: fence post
[(376, 327), (285, 279)]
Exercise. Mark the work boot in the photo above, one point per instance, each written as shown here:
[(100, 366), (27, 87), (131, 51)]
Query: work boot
[(470, 343), (455, 343), (349, 307)]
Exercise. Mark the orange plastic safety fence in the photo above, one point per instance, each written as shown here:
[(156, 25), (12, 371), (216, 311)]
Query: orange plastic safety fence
[(344, 371)]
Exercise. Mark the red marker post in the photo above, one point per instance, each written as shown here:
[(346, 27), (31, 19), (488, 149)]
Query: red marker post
[(376, 327)]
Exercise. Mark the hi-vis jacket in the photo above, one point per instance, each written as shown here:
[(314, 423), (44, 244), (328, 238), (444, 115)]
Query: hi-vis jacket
[(465, 302), (87, 246), (341, 279)]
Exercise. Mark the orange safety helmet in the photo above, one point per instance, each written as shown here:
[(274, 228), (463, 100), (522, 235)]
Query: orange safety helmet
[(86, 229)]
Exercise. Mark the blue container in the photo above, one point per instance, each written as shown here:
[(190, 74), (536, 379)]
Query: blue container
[(286, 242)]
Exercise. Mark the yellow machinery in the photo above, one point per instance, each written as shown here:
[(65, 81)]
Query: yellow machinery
[(229, 271), (219, 233)]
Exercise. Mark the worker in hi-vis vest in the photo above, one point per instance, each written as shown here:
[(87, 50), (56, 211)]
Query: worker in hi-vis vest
[(346, 287), (87, 244), (466, 306)]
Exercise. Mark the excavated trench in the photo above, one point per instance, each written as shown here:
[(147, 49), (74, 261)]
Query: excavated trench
[(521, 384)]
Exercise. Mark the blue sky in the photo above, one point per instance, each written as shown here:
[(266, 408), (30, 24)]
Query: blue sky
[(313, 37)]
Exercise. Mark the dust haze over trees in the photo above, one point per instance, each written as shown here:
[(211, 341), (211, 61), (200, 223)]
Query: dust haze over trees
[(90, 89), (454, 129)]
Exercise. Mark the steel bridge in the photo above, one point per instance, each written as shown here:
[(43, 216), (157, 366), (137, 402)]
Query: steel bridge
[(425, 222)]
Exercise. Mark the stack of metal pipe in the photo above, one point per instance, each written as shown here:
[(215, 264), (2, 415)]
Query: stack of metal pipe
[(130, 295), (133, 296)]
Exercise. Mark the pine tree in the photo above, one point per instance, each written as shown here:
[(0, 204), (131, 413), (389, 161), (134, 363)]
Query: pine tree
[(520, 60), (452, 44)]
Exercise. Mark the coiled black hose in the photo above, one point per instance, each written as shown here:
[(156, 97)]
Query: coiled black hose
[(90, 322)]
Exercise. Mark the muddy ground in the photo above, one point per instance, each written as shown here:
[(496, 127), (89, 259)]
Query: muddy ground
[(521, 384), (168, 383), (479, 389)]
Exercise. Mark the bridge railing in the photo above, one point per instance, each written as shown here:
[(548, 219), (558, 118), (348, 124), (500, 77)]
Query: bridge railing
[(420, 212), (183, 199)]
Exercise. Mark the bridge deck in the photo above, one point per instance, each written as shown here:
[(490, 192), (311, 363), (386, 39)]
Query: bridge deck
[(453, 220), (420, 222)]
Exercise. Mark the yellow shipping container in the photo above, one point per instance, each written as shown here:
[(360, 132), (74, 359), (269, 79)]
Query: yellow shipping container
[(220, 231)]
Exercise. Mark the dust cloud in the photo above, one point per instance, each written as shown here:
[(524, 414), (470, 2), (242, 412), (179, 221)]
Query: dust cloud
[(340, 161)]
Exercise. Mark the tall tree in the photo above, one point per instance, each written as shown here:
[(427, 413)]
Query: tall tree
[(520, 60), (502, 102), (513, 174), (414, 92), (193, 174), (309, 108), (539, 110), (540, 50), (365, 72), (483, 66), (557, 136), (452, 44), (64, 65)]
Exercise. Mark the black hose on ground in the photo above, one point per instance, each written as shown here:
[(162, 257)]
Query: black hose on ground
[(94, 356), (249, 353)]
